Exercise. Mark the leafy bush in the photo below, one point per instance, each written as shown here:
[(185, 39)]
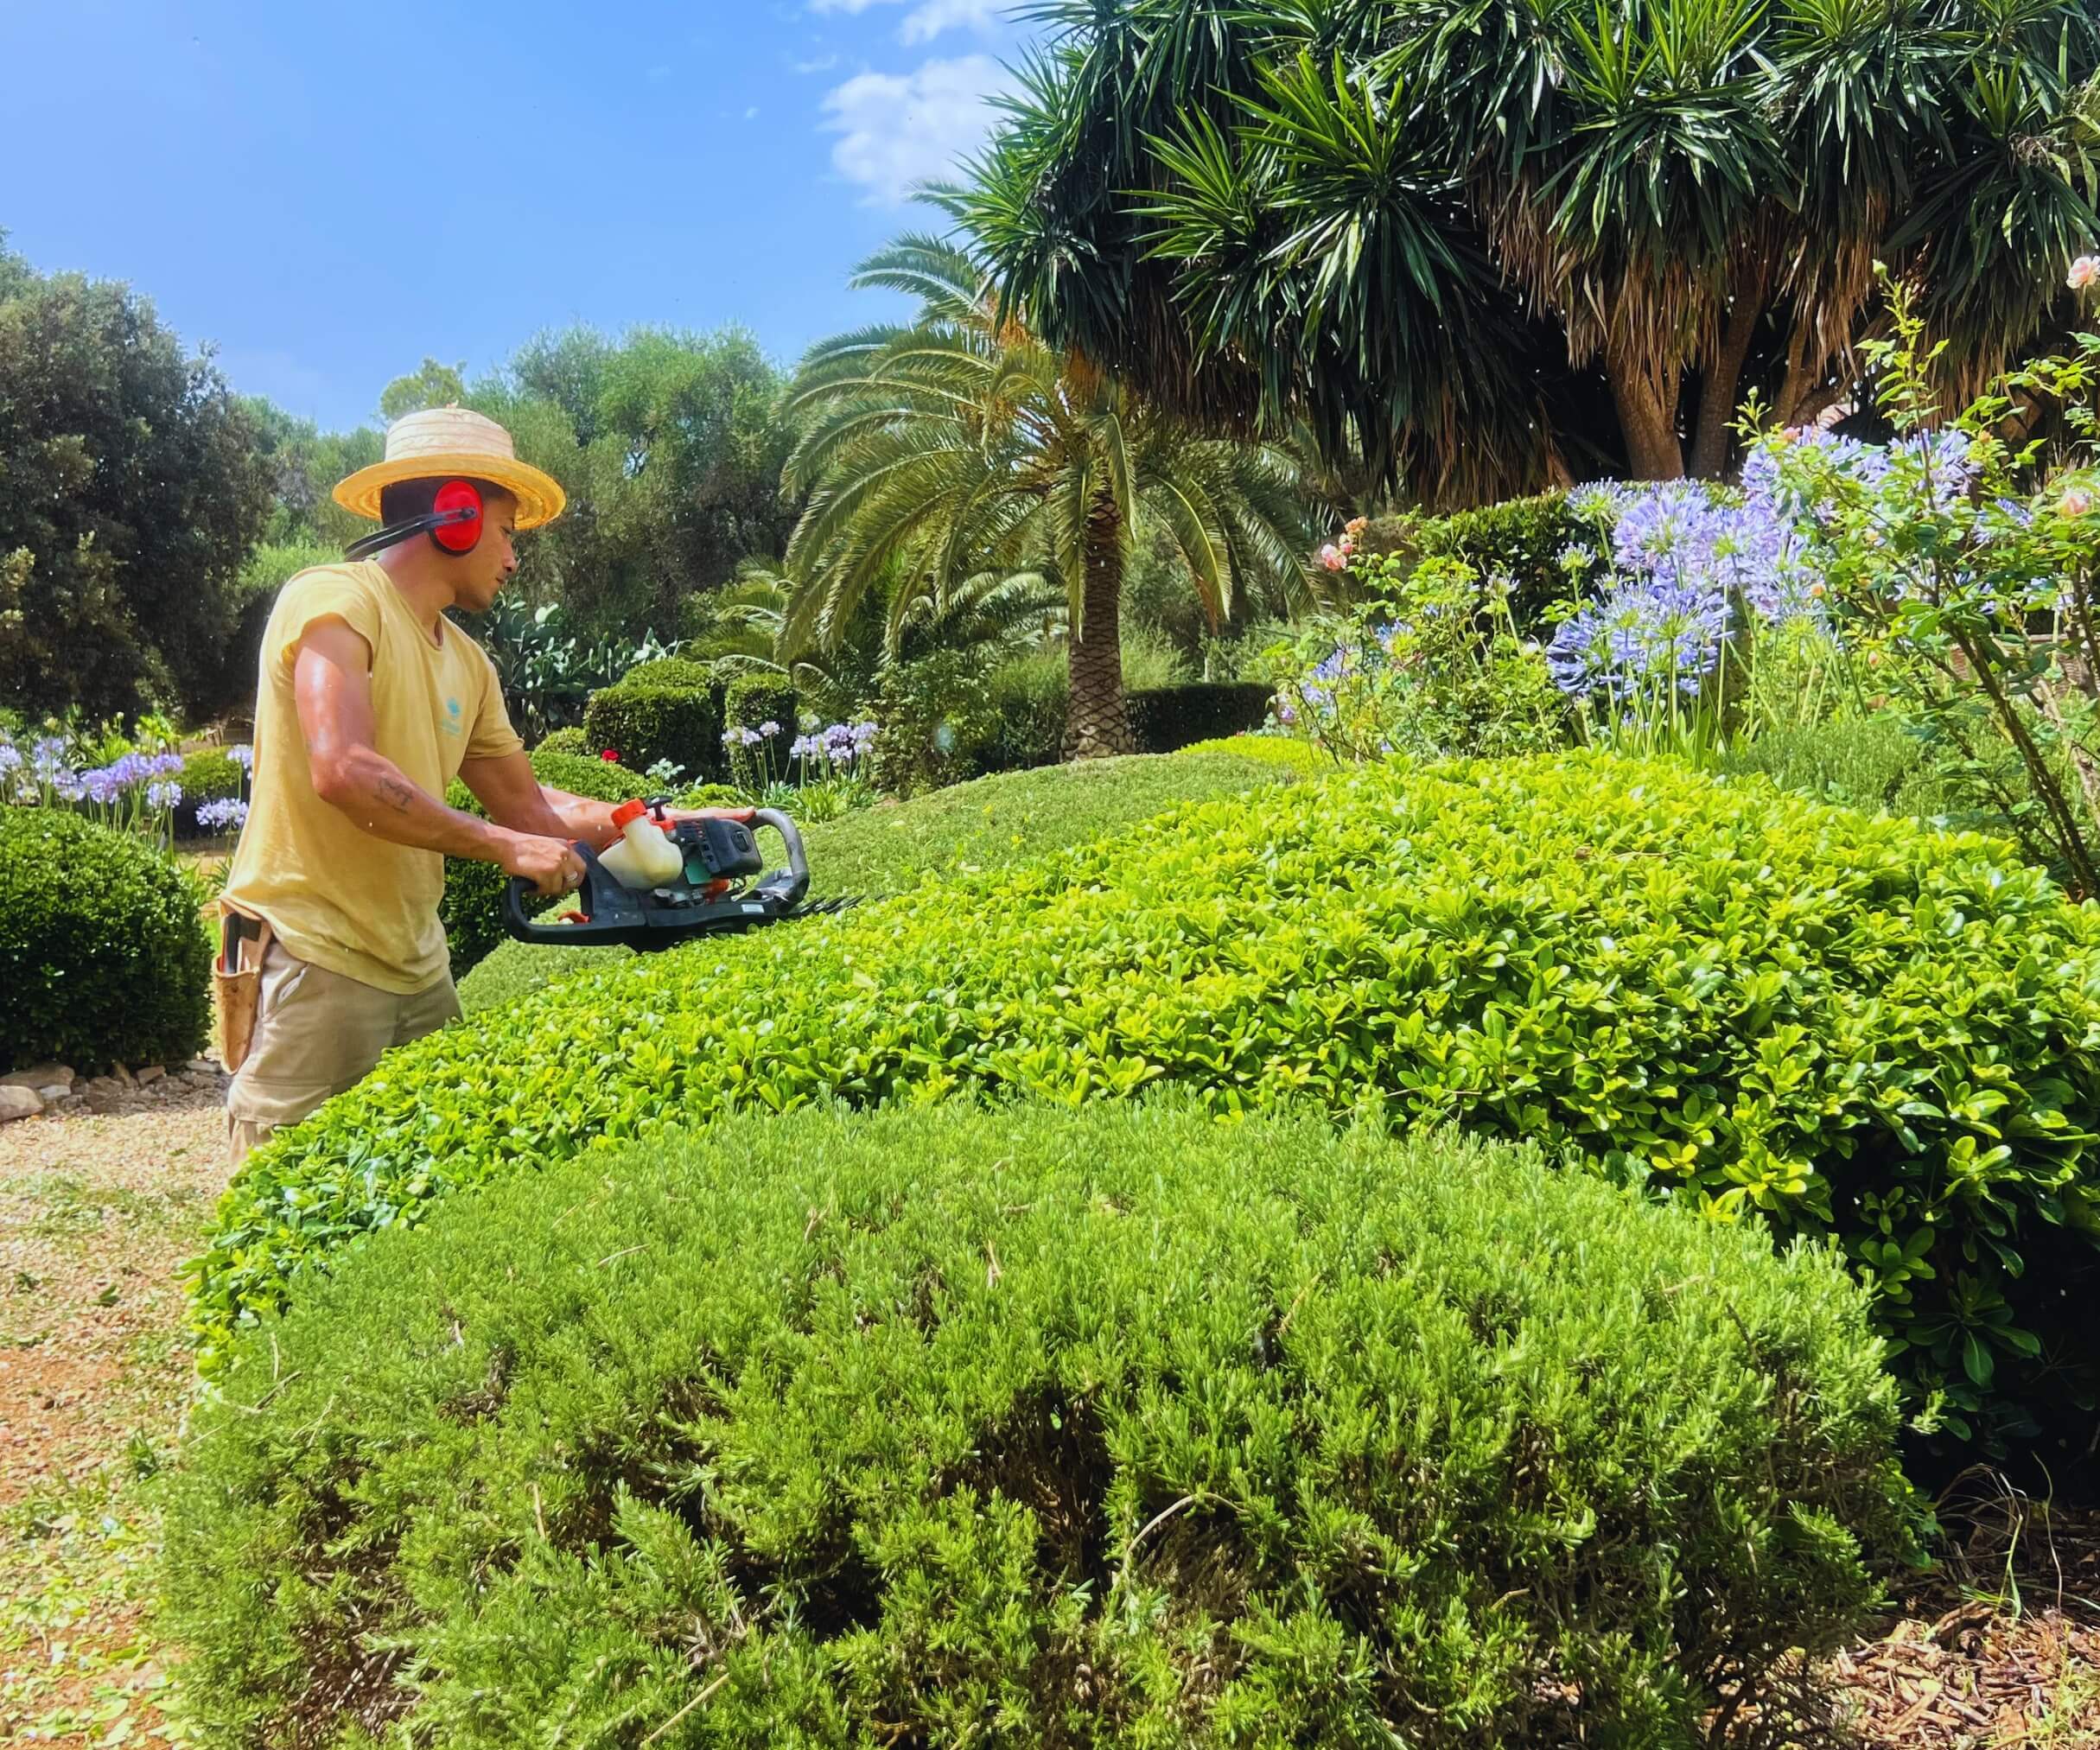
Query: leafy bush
[(471, 907), (1520, 540), (758, 756), (1156, 1431), (661, 711), (965, 829), (937, 719), (1432, 668), (572, 740), (103, 957), (210, 775), (1755, 1003), (1868, 762)]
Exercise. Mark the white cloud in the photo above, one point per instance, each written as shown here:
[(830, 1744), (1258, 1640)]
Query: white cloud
[(927, 18), (898, 129), (822, 63), (751, 114), (927, 21)]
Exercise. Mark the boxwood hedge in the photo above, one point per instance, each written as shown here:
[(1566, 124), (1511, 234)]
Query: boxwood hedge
[(1033, 1427), (1748, 1000), (104, 954), (966, 829)]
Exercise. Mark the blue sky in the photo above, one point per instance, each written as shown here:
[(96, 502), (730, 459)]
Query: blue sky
[(329, 193)]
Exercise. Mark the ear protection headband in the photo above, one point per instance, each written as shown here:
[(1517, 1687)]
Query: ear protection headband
[(453, 523)]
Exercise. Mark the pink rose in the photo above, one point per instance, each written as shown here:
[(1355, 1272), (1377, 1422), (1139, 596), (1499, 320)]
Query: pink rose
[(1332, 557), (2075, 503), (2084, 271)]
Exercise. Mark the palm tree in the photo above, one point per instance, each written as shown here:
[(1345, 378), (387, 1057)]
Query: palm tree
[(1487, 241), (751, 626), (963, 458)]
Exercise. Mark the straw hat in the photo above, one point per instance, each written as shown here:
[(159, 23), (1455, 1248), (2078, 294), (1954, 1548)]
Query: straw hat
[(451, 443)]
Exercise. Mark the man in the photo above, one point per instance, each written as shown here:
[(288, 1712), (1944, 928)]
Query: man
[(370, 703)]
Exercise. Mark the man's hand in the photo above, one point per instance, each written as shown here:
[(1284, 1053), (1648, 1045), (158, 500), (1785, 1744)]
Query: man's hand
[(550, 864)]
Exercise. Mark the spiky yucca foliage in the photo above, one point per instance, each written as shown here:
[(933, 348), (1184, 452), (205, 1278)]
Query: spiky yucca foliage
[(958, 457)]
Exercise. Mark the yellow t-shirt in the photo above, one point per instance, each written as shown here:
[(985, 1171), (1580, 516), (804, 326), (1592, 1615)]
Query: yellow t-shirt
[(339, 896)]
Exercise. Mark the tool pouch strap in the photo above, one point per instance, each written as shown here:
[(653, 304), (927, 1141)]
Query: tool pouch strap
[(237, 973)]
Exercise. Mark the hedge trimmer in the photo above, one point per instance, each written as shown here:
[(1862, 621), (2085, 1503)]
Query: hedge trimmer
[(714, 895)]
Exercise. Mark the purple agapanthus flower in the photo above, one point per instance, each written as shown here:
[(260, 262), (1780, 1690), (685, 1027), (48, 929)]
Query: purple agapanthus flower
[(223, 814)]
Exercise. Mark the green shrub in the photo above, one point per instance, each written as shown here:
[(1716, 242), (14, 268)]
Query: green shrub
[(1164, 719), (209, 775), (1112, 1428), (1753, 1003), (670, 709), (965, 829), (471, 907), (1027, 726), (748, 706), (570, 741), (1520, 540), (936, 719), (104, 955)]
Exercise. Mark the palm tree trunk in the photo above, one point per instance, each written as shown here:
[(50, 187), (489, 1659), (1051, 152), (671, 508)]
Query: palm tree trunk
[(1710, 443), (1096, 724)]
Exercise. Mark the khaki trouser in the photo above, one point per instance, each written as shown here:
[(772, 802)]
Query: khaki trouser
[(318, 1035)]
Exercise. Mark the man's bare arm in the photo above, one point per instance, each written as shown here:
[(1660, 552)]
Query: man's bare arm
[(333, 685), (514, 798)]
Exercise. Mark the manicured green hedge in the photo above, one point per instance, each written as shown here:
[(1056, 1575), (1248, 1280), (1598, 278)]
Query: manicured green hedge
[(965, 829), (104, 954), (570, 741), (751, 704), (670, 709), (1028, 716), (1113, 1428), (1755, 1003), (209, 775), (471, 908), (1164, 719)]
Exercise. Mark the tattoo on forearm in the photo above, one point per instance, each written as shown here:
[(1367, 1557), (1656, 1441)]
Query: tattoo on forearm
[(395, 791)]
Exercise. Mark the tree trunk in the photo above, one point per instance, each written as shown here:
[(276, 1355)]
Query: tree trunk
[(1645, 394), (1710, 455), (1096, 723)]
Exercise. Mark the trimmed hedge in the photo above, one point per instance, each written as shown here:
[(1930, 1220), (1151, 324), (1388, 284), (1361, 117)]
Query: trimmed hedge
[(1760, 1005), (670, 709), (965, 829), (570, 741), (1027, 710), (104, 958), (750, 704), (471, 907), (1101, 1428), (1165, 719)]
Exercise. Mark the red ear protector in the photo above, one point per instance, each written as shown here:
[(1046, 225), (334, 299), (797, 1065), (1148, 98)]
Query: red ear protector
[(453, 522)]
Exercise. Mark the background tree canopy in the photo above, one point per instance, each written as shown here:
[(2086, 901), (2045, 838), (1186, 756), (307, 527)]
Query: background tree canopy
[(132, 490), (1492, 244)]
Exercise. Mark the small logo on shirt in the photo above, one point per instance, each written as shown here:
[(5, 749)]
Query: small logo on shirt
[(452, 716)]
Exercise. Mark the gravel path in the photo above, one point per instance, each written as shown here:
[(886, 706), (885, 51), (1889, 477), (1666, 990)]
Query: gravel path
[(96, 1213)]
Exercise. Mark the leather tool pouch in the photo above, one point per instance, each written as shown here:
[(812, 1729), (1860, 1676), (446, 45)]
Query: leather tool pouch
[(238, 975)]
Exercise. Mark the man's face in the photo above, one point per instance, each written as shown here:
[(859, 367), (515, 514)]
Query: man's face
[(478, 575)]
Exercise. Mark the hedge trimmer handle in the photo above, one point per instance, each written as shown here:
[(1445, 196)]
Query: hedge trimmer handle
[(791, 883), (517, 890)]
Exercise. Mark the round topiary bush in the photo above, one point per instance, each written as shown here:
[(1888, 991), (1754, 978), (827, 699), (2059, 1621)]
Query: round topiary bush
[(1112, 1428), (104, 954), (471, 907), (668, 708), (570, 741), (1761, 1006)]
